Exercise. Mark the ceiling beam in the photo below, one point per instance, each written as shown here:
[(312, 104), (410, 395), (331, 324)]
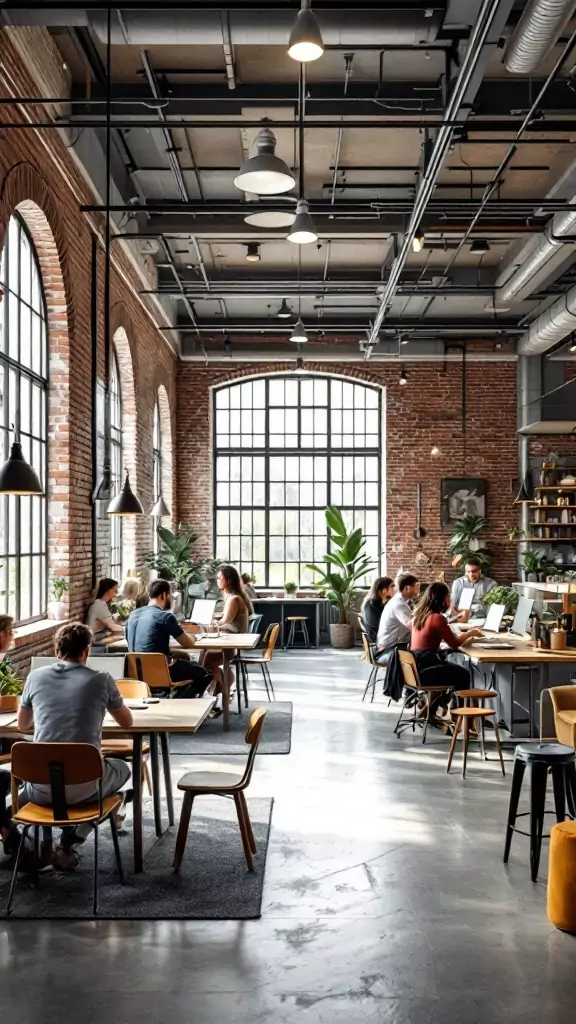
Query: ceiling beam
[(417, 325)]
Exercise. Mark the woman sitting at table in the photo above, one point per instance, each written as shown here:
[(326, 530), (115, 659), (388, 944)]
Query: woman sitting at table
[(99, 616), (429, 629), (382, 590), (234, 619)]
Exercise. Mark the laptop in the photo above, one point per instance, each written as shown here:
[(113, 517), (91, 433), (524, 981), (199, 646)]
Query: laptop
[(466, 599), (203, 612), (523, 613), (494, 617)]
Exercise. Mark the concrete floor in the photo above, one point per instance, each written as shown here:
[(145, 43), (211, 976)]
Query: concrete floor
[(386, 898)]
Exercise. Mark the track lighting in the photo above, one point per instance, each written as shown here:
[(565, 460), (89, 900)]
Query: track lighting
[(252, 252), (302, 231), (265, 174), (284, 312), (299, 332), (480, 245), (403, 377), (306, 42), (418, 242)]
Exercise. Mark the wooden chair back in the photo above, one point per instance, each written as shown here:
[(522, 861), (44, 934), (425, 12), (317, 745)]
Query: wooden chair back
[(409, 670), (56, 765), (252, 738), (133, 688), (368, 650), (149, 668), (271, 638)]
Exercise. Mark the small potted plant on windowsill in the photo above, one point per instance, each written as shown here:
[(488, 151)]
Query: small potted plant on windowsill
[(57, 609), (10, 687), (289, 589)]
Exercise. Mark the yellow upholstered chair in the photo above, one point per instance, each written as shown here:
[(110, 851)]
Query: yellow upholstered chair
[(562, 872), (564, 703)]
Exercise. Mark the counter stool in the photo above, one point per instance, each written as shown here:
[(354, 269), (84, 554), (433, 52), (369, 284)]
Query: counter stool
[(297, 621), (470, 715), (540, 758)]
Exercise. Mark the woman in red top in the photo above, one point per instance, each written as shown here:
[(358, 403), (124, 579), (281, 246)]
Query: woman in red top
[(429, 628)]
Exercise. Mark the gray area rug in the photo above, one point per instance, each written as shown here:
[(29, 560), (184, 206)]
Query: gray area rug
[(213, 882), (211, 738)]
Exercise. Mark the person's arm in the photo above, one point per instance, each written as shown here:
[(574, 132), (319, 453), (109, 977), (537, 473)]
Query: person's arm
[(230, 612), (464, 638), (175, 630), (25, 713), (111, 625), (404, 615), (116, 706)]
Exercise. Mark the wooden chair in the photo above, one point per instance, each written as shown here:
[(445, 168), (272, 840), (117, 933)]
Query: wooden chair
[(375, 667), (151, 669), (59, 765), (124, 748), (263, 661), (469, 715), (230, 782), (414, 691)]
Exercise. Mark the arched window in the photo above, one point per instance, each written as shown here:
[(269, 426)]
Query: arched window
[(23, 398), (116, 466), (156, 464), (285, 448)]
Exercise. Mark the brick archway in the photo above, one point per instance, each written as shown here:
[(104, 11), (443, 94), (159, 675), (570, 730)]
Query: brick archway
[(167, 460), (130, 531)]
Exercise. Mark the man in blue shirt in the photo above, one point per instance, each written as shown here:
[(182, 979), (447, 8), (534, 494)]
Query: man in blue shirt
[(148, 631)]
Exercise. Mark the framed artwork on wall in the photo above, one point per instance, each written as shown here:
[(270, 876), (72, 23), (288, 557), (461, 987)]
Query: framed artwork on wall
[(461, 496)]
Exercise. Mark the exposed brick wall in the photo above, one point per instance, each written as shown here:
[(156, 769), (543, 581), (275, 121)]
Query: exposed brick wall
[(426, 412)]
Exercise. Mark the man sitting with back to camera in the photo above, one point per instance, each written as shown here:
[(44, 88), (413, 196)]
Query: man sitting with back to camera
[(148, 631)]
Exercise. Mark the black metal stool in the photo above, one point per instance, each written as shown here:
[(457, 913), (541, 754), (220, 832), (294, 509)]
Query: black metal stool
[(541, 757)]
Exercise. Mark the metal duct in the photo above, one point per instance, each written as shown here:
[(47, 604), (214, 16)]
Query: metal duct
[(536, 34), (533, 261), (204, 27), (551, 327)]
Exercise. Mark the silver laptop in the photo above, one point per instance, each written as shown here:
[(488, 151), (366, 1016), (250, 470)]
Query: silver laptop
[(203, 612), (523, 613), (494, 617)]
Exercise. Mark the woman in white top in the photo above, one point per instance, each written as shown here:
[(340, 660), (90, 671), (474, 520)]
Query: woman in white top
[(234, 619), (99, 616)]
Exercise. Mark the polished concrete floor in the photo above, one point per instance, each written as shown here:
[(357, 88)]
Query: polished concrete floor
[(385, 900)]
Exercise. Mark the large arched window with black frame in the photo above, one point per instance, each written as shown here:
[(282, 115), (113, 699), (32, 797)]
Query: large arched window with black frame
[(156, 466), (23, 397), (287, 446), (116, 466)]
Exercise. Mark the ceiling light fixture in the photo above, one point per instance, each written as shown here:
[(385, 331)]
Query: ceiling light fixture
[(300, 368), (265, 174), (252, 252), (435, 451), (299, 333), (302, 231), (284, 312), (525, 495), (306, 41), (403, 377), (160, 509), (17, 476), (270, 219), (125, 503), (418, 242), (480, 245)]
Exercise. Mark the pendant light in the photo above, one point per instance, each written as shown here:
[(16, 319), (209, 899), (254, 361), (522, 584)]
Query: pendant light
[(252, 252), (525, 495), (160, 509), (125, 503), (306, 42), (265, 174), (17, 476), (284, 312), (403, 377), (480, 245), (299, 333), (303, 231), (418, 242)]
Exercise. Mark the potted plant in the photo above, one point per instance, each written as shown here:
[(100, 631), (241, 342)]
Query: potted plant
[(344, 565), (211, 566), (535, 565), (10, 686), (502, 595), (515, 533), (175, 562), (289, 588), (557, 633), (57, 609), (464, 541)]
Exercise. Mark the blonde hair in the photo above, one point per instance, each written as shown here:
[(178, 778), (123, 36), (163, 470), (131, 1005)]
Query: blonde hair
[(133, 589)]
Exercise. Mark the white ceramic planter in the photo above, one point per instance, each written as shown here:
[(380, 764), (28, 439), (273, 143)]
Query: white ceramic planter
[(57, 610)]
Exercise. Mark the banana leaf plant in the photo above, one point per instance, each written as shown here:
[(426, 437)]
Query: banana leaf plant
[(344, 564), (464, 541), (175, 561)]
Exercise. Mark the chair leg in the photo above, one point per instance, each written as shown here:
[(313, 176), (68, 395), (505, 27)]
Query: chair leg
[(265, 680), (368, 684), (457, 727), (499, 745), (146, 776), (571, 789), (428, 699), (95, 890), (117, 854), (559, 788), (305, 634), (537, 803), (270, 684), (402, 709), (482, 738), (244, 832), (248, 822), (15, 871), (245, 681), (465, 746), (517, 777), (182, 831)]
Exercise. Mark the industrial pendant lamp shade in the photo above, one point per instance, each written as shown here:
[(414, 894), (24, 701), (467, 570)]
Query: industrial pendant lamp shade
[(303, 231), (160, 509), (125, 503), (480, 245), (265, 174), (525, 494), (284, 312), (306, 42), (299, 332), (17, 475)]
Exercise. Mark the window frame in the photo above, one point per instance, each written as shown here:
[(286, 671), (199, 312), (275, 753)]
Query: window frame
[(268, 452), (8, 417), (157, 468)]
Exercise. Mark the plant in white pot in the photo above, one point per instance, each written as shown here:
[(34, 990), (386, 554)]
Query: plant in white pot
[(344, 565), (57, 608)]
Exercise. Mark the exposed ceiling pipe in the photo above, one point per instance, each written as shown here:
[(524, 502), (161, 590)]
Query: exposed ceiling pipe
[(536, 34), (227, 48), (331, 353), (552, 326), (474, 53)]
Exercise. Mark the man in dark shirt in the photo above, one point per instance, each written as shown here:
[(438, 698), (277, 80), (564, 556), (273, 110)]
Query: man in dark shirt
[(148, 631)]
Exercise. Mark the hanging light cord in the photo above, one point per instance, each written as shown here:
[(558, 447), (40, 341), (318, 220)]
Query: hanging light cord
[(301, 112)]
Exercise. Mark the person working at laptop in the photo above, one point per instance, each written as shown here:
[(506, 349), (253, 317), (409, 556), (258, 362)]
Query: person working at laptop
[(396, 619), (148, 631), (473, 579)]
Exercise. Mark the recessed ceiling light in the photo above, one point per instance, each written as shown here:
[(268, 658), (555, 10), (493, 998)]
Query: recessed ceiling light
[(265, 174), (306, 42)]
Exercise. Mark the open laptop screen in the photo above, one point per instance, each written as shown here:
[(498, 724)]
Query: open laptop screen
[(523, 613), (203, 612)]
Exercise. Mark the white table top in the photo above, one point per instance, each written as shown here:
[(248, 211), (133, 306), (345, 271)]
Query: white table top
[(165, 716), (228, 642)]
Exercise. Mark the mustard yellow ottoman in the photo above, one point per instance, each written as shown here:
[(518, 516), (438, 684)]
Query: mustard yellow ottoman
[(562, 876)]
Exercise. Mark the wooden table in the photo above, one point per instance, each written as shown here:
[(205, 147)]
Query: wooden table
[(156, 720), (230, 644)]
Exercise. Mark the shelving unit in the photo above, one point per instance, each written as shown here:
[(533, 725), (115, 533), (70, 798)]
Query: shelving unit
[(545, 513)]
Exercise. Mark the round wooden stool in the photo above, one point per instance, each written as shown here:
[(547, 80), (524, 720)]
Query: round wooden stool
[(297, 621), (467, 716)]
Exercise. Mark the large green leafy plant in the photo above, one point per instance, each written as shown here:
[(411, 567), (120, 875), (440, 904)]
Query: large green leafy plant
[(10, 685), (464, 541), (502, 595), (175, 560), (345, 563)]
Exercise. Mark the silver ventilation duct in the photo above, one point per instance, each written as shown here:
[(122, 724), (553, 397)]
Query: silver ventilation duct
[(168, 27), (551, 327), (533, 259), (536, 34)]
